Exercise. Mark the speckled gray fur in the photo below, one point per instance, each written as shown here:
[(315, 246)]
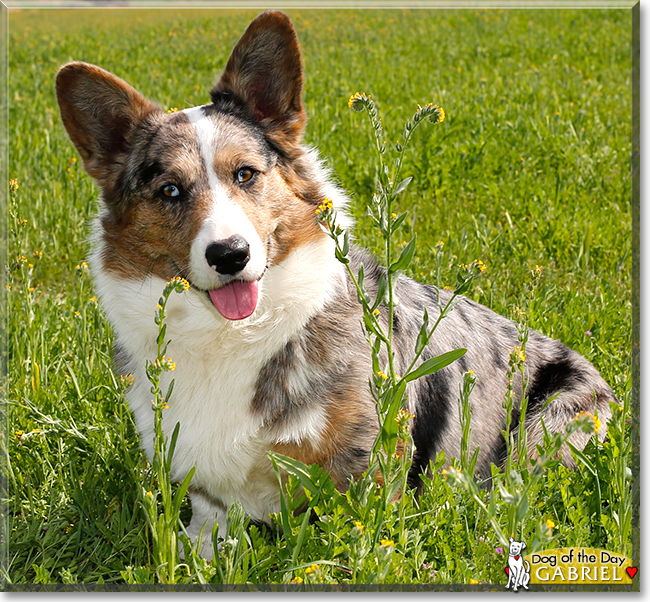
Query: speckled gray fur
[(333, 352)]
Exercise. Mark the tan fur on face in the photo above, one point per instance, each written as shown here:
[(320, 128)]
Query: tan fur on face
[(149, 233), (279, 201)]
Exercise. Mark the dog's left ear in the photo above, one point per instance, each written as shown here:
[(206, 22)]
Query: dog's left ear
[(264, 72)]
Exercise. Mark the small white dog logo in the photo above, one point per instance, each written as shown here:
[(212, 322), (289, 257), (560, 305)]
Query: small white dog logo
[(518, 569)]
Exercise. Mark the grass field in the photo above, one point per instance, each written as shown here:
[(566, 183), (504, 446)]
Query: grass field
[(530, 167)]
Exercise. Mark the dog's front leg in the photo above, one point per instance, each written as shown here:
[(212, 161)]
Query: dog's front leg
[(205, 511)]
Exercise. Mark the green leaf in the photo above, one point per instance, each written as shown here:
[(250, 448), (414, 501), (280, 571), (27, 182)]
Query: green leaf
[(423, 336), (170, 390), (363, 296), (161, 334), (381, 291), (462, 284), (172, 444), (182, 490), (342, 258), (522, 508), (405, 257), (402, 185), (313, 478), (370, 327), (300, 539), (472, 463), (434, 364), (398, 221), (587, 463)]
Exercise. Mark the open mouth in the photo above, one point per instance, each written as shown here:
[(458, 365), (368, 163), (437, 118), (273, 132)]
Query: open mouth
[(236, 300)]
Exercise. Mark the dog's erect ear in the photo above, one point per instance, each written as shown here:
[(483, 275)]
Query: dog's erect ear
[(511, 540), (99, 111), (265, 72)]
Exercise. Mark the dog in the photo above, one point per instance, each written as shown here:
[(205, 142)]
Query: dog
[(518, 568), (269, 349)]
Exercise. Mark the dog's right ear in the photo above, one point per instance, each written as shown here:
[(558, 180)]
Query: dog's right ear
[(99, 112)]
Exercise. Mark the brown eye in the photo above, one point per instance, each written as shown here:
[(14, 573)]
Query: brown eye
[(244, 175), (171, 191)]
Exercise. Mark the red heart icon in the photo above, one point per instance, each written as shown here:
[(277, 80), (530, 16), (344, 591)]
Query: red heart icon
[(631, 571), (516, 557), (508, 571)]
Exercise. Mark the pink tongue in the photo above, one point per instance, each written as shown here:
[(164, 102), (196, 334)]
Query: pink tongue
[(235, 301)]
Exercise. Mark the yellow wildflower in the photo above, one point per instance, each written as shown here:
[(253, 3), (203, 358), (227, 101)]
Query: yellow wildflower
[(550, 524), (127, 379), (594, 419), (185, 283), (387, 542), (13, 184), (404, 415), (597, 424), (355, 101)]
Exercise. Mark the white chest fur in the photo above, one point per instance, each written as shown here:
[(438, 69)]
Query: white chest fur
[(217, 367)]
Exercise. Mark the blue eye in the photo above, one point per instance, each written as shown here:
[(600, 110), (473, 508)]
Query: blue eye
[(244, 175), (171, 191)]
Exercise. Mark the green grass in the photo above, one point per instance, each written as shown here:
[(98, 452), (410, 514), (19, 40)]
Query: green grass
[(530, 167)]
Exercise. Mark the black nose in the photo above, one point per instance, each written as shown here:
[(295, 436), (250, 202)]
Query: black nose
[(228, 256)]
